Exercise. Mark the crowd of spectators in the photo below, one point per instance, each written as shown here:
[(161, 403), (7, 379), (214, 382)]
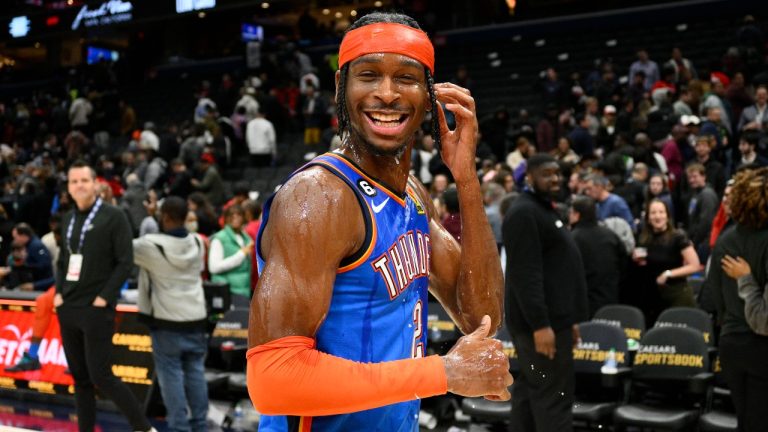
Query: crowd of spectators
[(646, 163)]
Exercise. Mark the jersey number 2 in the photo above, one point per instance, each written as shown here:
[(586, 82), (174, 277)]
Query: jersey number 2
[(418, 346)]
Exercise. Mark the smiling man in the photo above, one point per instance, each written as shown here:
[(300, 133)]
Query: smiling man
[(351, 243)]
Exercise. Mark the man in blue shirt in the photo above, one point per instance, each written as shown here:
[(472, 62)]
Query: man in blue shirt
[(608, 204)]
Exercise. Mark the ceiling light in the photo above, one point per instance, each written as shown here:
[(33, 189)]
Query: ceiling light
[(201, 15), (326, 11), (265, 5), (377, 3), (338, 15), (353, 12)]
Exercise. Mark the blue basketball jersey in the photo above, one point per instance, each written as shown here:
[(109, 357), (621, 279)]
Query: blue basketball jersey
[(379, 306)]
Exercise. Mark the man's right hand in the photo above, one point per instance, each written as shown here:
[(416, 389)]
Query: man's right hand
[(478, 366), (57, 300), (544, 340)]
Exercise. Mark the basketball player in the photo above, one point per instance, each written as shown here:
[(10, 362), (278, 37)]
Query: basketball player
[(350, 244)]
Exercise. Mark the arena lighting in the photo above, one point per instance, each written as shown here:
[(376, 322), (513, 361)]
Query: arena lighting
[(193, 5), (265, 5), (326, 11), (338, 14), (19, 26), (52, 21), (353, 12), (377, 3)]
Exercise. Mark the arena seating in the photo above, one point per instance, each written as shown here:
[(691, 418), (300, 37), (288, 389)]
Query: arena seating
[(629, 318), (670, 381), (598, 392), (512, 58)]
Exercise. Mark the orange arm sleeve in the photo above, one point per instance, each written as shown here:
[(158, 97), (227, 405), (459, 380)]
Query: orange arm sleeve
[(288, 376)]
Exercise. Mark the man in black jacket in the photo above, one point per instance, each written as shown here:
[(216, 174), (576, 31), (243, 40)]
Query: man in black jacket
[(95, 260), (545, 299), (602, 253)]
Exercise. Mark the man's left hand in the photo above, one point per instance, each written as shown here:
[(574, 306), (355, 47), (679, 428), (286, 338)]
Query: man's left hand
[(99, 302), (458, 145)]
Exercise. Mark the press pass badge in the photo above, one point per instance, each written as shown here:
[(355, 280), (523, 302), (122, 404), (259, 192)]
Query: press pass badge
[(74, 267)]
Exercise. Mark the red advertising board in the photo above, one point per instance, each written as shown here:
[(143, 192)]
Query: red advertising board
[(131, 352)]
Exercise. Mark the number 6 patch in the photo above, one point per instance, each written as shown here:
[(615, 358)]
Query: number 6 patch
[(366, 188)]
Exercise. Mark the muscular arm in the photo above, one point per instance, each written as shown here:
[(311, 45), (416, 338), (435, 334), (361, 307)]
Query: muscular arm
[(466, 279), (303, 244)]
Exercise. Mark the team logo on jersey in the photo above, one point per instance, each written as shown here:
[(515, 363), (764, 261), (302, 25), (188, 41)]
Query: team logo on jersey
[(366, 187), (405, 261)]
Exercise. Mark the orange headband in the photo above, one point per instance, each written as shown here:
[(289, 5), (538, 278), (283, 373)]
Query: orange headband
[(387, 38)]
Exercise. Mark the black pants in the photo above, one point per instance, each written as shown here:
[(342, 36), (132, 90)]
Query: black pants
[(543, 392), (744, 357), (86, 333)]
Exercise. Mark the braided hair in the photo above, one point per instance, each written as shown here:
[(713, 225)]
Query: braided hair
[(341, 102), (749, 198)]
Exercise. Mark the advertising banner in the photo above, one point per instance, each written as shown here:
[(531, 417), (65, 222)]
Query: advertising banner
[(131, 352)]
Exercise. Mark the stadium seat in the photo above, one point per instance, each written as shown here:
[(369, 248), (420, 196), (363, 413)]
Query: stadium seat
[(598, 393), (229, 341), (718, 421), (442, 333), (629, 318), (720, 416), (671, 381), (482, 410), (688, 317)]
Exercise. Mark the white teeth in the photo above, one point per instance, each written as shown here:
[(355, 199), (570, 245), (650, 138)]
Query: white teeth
[(385, 117)]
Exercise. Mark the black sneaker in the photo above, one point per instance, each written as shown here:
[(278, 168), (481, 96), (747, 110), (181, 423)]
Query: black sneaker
[(26, 363)]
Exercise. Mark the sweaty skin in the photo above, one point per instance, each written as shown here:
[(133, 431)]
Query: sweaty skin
[(316, 221)]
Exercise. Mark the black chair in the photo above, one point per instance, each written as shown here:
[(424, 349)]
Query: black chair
[(720, 416), (226, 354), (598, 392), (482, 410), (442, 332), (629, 318), (671, 382), (718, 421), (688, 317)]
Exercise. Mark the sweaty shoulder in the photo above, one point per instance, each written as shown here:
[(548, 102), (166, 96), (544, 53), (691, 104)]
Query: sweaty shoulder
[(315, 209)]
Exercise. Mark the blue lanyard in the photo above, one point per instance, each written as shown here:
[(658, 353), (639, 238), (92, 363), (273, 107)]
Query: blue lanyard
[(84, 228)]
